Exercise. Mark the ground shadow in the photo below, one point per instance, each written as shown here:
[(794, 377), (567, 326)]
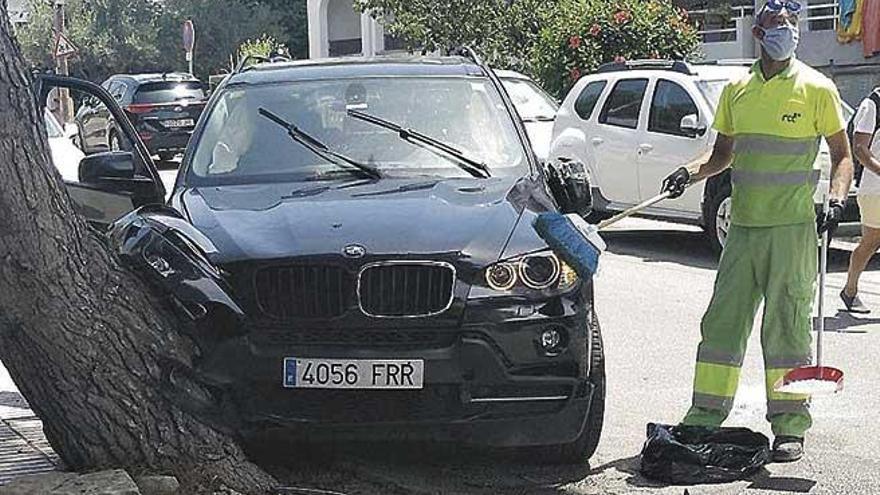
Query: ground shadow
[(630, 466), (670, 246), (844, 322), (765, 481), (412, 467), (691, 248)]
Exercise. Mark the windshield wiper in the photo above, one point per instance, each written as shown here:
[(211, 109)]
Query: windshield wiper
[(476, 168), (319, 148)]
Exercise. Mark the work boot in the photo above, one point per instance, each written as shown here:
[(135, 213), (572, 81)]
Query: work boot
[(853, 303), (787, 449)]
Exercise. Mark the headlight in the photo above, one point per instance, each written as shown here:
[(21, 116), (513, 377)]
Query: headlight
[(501, 276), (538, 271)]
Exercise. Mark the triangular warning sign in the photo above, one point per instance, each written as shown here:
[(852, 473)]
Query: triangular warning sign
[(63, 46)]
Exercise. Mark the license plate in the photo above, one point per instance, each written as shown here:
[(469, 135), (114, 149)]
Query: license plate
[(354, 373), (178, 123)]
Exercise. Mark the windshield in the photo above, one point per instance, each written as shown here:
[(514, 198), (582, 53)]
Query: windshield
[(52, 125), (165, 92), (238, 145), (531, 102)]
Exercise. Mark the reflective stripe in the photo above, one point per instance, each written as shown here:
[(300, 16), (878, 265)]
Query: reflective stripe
[(773, 145), (714, 356), (716, 379), (787, 362), (713, 402), (741, 177), (775, 407), (773, 375)]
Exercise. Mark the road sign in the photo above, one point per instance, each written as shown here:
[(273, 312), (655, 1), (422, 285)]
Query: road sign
[(189, 35), (63, 46)]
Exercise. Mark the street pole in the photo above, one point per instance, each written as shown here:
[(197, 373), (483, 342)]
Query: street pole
[(65, 105)]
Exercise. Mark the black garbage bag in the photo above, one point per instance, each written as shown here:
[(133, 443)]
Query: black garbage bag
[(688, 455)]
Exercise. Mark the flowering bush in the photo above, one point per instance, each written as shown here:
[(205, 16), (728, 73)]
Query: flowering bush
[(582, 34)]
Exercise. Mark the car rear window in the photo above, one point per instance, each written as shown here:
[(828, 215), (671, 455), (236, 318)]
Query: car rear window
[(586, 101), (162, 92)]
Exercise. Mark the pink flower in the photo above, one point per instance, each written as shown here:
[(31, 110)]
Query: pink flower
[(574, 74), (595, 30), (619, 59), (574, 42), (622, 16)]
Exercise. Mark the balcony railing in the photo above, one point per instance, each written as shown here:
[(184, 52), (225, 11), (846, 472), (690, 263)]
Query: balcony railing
[(714, 27), (823, 16)]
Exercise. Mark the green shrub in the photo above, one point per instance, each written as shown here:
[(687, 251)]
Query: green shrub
[(582, 34)]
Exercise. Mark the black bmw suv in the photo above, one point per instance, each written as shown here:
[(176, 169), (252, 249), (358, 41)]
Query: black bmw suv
[(354, 241), (164, 109)]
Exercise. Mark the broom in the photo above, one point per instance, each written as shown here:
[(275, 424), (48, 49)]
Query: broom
[(577, 242)]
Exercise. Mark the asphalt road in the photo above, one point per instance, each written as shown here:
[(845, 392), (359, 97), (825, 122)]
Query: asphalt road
[(654, 284)]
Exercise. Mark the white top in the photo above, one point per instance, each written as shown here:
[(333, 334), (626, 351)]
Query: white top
[(865, 120)]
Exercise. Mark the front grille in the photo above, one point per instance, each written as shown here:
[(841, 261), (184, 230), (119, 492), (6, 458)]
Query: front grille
[(304, 291), (405, 289)]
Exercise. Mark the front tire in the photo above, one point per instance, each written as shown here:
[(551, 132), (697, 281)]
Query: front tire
[(585, 445), (716, 218)]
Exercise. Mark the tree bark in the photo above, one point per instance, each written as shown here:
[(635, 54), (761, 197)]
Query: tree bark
[(84, 339)]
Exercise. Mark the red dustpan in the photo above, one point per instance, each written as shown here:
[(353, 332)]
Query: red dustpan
[(815, 380)]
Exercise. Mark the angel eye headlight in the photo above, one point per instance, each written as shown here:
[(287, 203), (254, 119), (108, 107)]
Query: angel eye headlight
[(501, 276), (540, 271)]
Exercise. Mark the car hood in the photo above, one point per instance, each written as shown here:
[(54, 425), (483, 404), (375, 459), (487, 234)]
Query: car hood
[(466, 218)]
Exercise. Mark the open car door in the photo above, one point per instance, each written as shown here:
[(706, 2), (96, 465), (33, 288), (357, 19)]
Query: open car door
[(111, 183)]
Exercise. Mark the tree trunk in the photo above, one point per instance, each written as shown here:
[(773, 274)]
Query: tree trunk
[(83, 338)]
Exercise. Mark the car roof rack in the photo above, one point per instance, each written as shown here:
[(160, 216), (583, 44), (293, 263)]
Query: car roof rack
[(647, 64), (731, 61)]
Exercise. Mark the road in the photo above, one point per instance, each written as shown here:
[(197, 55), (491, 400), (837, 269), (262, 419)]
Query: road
[(653, 286)]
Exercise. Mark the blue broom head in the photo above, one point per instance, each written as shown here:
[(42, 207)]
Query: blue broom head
[(575, 241)]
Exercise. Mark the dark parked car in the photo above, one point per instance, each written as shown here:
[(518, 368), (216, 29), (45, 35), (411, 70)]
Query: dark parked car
[(354, 241), (164, 109)]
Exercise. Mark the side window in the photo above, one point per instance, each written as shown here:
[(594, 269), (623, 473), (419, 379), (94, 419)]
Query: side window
[(117, 89), (586, 101), (671, 102), (624, 103)]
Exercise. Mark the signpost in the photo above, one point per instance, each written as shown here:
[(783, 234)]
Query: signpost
[(189, 41), (61, 51)]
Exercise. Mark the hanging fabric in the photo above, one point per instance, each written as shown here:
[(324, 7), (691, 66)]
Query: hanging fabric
[(849, 26), (871, 28)]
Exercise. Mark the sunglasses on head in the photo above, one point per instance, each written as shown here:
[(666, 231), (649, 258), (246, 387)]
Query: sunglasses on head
[(776, 6)]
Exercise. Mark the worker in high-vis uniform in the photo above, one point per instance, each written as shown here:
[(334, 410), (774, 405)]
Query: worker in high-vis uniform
[(769, 127)]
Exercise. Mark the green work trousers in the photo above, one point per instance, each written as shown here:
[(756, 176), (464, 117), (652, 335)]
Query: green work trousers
[(776, 265)]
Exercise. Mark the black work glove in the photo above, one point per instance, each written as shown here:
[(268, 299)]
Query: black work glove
[(831, 219), (676, 183)]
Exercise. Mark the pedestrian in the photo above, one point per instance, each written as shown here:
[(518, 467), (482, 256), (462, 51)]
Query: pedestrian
[(769, 126), (866, 147)]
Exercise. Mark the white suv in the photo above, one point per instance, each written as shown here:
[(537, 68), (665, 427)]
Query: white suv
[(631, 124)]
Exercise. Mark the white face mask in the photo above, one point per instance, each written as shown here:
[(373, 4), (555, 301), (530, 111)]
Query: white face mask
[(780, 42)]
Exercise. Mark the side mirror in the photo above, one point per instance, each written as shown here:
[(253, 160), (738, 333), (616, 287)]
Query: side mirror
[(690, 126), (108, 167), (570, 186)]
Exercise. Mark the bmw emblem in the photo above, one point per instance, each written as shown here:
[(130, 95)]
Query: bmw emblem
[(354, 251)]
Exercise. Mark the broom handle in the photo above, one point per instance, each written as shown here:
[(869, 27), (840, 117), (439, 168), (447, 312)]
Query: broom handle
[(823, 268), (632, 211)]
